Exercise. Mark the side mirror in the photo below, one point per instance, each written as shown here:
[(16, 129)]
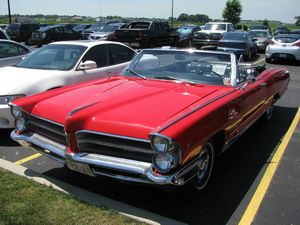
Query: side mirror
[(87, 65), (255, 39)]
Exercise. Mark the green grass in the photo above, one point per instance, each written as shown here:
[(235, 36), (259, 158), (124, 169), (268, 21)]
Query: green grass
[(25, 202)]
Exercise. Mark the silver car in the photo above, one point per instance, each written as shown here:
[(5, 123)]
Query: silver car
[(284, 46), (12, 52), (262, 38)]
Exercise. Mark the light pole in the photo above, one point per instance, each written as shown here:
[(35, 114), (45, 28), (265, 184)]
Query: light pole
[(9, 15), (172, 22)]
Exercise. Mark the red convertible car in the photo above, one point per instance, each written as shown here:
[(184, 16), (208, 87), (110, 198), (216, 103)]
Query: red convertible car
[(162, 121)]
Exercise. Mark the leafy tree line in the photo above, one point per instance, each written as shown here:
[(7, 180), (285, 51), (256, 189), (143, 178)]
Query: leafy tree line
[(198, 18)]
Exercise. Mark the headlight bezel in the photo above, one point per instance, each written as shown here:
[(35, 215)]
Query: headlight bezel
[(15, 110), (171, 158), (169, 143), (171, 150), (24, 124)]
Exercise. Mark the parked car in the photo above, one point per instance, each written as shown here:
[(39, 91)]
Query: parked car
[(12, 52), (162, 122), (262, 38), (21, 32), (259, 27), (281, 30), (145, 34), (284, 46), (240, 43), (49, 34), (59, 64), (81, 27), (211, 34), (106, 33), (3, 34), (295, 31), (94, 28), (186, 33)]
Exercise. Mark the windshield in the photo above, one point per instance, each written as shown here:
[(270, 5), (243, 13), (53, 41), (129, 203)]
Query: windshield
[(215, 27), (183, 66), (259, 33), (184, 30), (53, 57)]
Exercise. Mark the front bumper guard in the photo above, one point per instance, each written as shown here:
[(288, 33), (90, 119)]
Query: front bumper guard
[(114, 167)]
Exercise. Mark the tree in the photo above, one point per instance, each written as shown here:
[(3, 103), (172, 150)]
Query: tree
[(298, 21), (232, 11)]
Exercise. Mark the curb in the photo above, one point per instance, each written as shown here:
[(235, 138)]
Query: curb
[(89, 197)]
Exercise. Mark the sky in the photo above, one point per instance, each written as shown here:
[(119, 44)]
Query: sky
[(281, 10)]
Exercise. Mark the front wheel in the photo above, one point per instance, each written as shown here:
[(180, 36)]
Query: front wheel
[(205, 164)]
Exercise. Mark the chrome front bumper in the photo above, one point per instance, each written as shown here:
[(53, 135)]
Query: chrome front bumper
[(114, 167)]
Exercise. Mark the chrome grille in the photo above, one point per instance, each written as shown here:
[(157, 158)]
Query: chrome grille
[(116, 146), (49, 129)]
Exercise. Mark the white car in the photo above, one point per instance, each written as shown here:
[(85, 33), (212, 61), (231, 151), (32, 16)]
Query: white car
[(59, 64), (12, 52), (284, 46)]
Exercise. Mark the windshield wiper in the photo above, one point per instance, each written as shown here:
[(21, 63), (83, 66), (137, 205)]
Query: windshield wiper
[(135, 73)]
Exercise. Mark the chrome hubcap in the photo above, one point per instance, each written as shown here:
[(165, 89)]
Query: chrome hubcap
[(203, 164)]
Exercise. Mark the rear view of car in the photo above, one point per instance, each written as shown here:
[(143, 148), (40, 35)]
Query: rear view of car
[(284, 46)]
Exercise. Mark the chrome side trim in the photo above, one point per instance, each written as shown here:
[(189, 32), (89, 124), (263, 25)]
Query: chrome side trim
[(194, 110)]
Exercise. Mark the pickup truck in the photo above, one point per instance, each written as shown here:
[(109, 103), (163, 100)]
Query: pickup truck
[(146, 34), (211, 34)]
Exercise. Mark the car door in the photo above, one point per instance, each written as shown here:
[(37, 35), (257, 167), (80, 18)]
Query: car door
[(98, 54), (254, 96), (119, 57)]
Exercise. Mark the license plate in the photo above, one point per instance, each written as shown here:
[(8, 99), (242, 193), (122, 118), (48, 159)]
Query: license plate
[(283, 55), (79, 167), (205, 43)]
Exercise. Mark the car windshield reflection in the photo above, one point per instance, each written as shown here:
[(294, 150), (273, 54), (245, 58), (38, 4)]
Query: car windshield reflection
[(53, 57), (183, 66)]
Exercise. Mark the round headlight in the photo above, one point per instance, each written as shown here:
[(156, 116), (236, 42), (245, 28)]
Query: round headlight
[(20, 124), (16, 111), (164, 162), (160, 144)]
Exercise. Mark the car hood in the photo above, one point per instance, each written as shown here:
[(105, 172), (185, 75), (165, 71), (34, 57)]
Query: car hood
[(13, 78), (131, 107)]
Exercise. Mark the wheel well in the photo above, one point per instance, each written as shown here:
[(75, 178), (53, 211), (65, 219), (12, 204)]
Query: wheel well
[(219, 141)]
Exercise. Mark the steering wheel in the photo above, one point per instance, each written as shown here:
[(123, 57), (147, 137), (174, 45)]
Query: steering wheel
[(215, 74)]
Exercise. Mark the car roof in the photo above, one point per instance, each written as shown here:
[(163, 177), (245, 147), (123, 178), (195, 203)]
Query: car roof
[(260, 30), (87, 43)]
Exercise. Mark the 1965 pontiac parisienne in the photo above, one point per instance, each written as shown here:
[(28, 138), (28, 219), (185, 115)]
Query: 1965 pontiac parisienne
[(162, 121)]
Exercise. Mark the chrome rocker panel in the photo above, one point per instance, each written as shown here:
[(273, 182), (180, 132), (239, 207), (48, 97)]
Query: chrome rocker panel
[(141, 171)]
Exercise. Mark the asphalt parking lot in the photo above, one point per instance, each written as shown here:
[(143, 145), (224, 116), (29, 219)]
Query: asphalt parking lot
[(237, 176)]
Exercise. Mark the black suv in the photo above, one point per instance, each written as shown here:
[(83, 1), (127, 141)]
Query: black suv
[(49, 34), (21, 32)]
